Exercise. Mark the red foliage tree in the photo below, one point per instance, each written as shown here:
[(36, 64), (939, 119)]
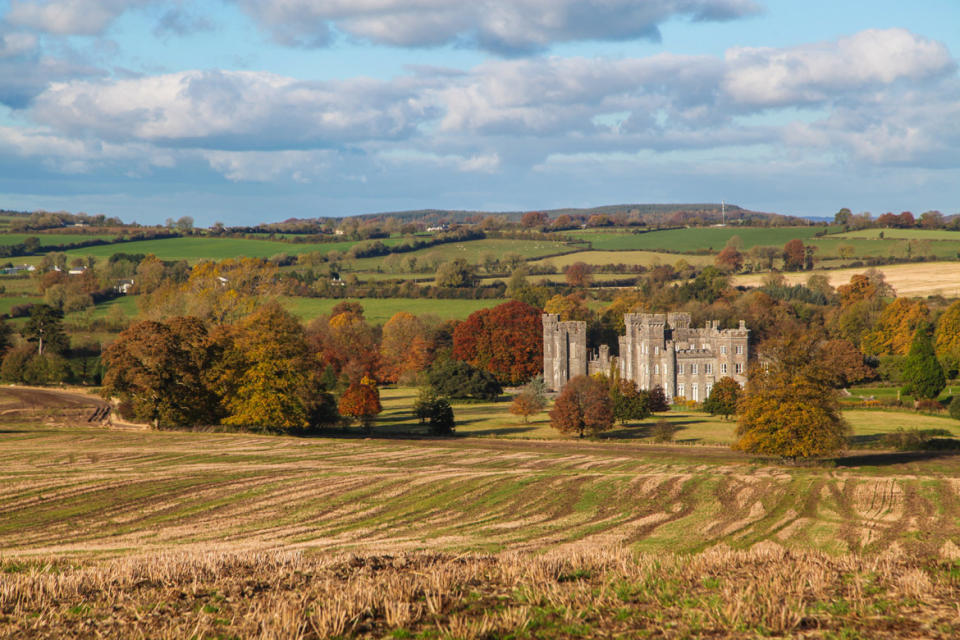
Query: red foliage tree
[(506, 340), (361, 401), (794, 254), (579, 274), (583, 406), (534, 219), (729, 259)]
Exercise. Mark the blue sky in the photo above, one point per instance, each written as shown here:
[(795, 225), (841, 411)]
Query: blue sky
[(243, 111)]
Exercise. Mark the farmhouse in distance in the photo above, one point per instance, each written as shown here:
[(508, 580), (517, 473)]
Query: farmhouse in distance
[(657, 350)]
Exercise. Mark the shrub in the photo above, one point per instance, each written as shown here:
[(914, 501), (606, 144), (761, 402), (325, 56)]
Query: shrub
[(926, 404), (664, 431), (912, 439), (441, 418), (955, 407)]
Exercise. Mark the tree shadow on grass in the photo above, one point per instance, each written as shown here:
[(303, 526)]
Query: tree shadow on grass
[(493, 431), (892, 458)]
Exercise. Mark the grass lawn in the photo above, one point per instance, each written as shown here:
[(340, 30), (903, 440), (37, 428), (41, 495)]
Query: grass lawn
[(694, 427), (694, 238), (8, 302)]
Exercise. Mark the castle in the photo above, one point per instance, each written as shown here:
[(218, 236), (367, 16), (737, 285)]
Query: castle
[(658, 349)]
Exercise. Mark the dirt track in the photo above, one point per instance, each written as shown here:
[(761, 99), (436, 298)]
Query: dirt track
[(23, 400)]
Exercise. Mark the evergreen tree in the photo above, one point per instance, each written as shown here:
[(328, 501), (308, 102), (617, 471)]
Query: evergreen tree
[(922, 373), (441, 418)]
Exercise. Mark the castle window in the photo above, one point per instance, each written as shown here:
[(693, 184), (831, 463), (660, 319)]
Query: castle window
[(723, 367), (708, 368), (694, 393), (739, 349), (738, 368), (707, 390), (680, 370), (656, 351), (656, 369), (680, 389), (723, 348), (647, 368), (693, 368)]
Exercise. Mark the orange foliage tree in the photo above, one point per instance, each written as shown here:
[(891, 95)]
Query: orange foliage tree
[(345, 342), (729, 259), (361, 401), (579, 274), (584, 406), (506, 341), (405, 347), (896, 327)]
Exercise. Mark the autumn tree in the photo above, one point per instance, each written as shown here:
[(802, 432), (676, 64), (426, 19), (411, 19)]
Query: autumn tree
[(729, 259), (896, 327), (405, 347), (845, 362), (570, 307), (347, 343), (506, 341), (535, 220), (789, 408), (531, 400), (579, 274), (794, 255), (159, 370), (456, 273), (922, 373), (658, 400), (947, 337), (723, 398), (582, 407), (361, 401), (266, 375)]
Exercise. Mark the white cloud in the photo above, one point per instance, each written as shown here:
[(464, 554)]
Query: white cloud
[(269, 166), (477, 163), (253, 126), (231, 110), (65, 17), (509, 26), (819, 72)]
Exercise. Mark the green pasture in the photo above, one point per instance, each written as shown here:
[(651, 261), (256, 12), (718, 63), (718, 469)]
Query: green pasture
[(829, 247), (473, 252), (8, 302), (692, 239), (196, 249), (52, 238), (904, 234), (645, 258), (379, 310)]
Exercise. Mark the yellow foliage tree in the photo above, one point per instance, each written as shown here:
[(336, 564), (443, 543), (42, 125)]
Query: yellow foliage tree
[(896, 327)]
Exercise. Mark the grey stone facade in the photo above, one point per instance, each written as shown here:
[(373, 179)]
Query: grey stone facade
[(657, 349)]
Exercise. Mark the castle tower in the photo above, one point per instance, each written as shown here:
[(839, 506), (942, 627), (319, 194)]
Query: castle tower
[(564, 350)]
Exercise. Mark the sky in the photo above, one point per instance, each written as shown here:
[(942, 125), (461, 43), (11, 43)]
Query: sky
[(246, 111)]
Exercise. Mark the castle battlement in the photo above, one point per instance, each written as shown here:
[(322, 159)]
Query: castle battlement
[(657, 349)]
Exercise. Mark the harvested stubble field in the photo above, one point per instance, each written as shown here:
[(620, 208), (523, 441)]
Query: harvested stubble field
[(124, 533), (915, 279), (585, 593)]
